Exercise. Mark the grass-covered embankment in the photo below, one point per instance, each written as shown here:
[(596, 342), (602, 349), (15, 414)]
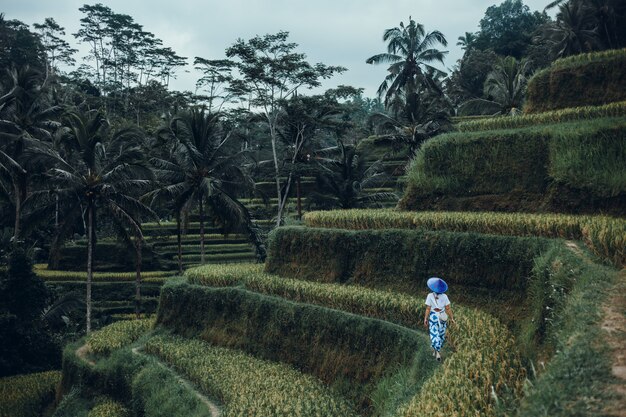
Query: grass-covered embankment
[(338, 348), (482, 346), (617, 109), (605, 236), (586, 79), (566, 167), (27, 395), (245, 385), (402, 259)]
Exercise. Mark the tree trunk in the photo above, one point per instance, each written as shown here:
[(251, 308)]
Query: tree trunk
[(18, 211), (138, 278), (298, 198), (180, 249), (277, 173), (90, 234), (201, 232)]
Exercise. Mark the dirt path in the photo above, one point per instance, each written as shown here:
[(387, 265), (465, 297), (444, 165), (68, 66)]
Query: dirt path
[(214, 409), (83, 352), (614, 324)]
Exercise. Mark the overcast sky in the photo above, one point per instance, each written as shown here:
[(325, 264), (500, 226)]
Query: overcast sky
[(335, 32)]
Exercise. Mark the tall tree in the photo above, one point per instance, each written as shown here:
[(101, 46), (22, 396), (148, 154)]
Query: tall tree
[(57, 49), (201, 170), (505, 89), (103, 172), (508, 28), (271, 71), (27, 122), (344, 177), (410, 51), (467, 41)]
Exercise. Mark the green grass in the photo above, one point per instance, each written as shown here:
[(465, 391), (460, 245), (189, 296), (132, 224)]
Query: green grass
[(248, 386), (118, 335), (27, 395), (402, 259), (585, 156), (585, 79), (48, 275), (617, 109), (604, 235)]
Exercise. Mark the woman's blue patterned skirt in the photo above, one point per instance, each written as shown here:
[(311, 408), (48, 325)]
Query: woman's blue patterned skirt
[(437, 331)]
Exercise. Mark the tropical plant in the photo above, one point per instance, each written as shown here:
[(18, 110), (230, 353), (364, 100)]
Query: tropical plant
[(414, 117), (101, 171), (573, 32), (505, 89), (200, 168), (26, 120), (467, 41), (410, 51), (344, 177)]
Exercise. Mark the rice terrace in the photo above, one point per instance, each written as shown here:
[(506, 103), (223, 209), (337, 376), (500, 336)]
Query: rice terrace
[(201, 219)]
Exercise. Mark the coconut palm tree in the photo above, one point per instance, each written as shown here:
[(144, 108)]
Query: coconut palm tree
[(101, 172), (575, 30), (466, 42), (200, 169), (26, 125), (505, 88), (344, 177), (410, 51)]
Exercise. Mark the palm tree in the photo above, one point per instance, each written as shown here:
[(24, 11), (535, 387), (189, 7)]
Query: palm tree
[(26, 121), (101, 172), (344, 178), (505, 88), (200, 169), (466, 42), (410, 52), (575, 30)]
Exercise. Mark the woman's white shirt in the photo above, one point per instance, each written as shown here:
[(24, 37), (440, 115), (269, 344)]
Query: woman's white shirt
[(440, 302)]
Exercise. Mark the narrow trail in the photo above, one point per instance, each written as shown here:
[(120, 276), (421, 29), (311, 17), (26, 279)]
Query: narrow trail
[(614, 324), (213, 408), (82, 353)]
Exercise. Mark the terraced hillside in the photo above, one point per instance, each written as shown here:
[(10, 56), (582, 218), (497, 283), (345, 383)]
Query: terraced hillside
[(350, 330), (565, 155)]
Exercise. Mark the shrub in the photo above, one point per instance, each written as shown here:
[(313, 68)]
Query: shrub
[(27, 395), (586, 79), (248, 386), (402, 259)]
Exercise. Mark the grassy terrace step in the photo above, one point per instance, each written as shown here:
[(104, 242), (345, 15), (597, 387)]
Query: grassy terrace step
[(483, 346), (214, 239), (27, 395), (303, 335), (245, 385), (565, 167), (605, 236), (46, 274), (220, 257), (209, 248), (396, 258)]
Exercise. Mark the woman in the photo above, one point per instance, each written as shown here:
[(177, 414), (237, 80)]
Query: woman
[(438, 312)]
